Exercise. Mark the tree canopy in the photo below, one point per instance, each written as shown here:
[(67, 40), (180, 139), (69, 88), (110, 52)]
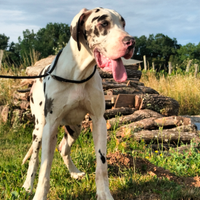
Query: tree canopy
[(45, 42)]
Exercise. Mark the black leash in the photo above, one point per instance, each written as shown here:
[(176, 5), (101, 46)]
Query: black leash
[(58, 78)]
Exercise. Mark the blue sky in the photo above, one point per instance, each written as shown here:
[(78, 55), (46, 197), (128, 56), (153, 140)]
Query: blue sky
[(178, 19)]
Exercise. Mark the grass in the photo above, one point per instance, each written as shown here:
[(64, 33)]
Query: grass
[(127, 183), (183, 88)]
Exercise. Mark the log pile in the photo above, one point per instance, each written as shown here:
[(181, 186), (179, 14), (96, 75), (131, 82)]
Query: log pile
[(132, 109)]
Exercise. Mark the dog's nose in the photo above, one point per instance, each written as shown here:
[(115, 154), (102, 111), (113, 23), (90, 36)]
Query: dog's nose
[(129, 41)]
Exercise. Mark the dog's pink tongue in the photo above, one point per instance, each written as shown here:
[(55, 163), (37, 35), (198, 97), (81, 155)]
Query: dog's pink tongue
[(118, 70)]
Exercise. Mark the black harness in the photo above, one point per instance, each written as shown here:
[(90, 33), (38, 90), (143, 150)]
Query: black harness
[(58, 78)]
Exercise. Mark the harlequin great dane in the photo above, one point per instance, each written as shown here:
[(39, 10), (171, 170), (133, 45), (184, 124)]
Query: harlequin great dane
[(97, 36)]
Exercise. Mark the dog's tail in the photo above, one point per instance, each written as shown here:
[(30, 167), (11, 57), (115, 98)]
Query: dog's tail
[(29, 153)]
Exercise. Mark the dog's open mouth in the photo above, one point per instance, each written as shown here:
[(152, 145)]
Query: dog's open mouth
[(115, 66)]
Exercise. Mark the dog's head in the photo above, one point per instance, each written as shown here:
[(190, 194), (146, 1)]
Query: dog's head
[(101, 32)]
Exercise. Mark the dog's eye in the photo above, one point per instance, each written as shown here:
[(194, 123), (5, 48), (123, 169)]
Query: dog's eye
[(104, 24)]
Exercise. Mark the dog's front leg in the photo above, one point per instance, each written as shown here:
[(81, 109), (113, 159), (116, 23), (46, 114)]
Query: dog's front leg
[(100, 142), (49, 140)]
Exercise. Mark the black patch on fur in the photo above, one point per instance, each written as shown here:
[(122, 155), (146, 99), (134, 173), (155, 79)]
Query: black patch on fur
[(48, 105), (40, 103), (44, 87), (31, 174), (97, 10), (82, 22), (41, 74), (122, 19), (102, 17), (32, 100), (34, 136), (96, 32), (85, 35), (105, 32), (65, 135), (89, 32), (103, 159), (48, 77), (37, 121), (95, 18), (33, 117), (70, 131)]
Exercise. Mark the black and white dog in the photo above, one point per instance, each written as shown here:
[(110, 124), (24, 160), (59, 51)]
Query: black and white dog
[(98, 37)]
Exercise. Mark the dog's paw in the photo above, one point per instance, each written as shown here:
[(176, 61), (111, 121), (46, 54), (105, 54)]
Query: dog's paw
[(27, 187), (77, 175), (104, 196)]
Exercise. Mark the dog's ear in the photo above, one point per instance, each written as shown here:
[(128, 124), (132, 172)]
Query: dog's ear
[(76, 24)]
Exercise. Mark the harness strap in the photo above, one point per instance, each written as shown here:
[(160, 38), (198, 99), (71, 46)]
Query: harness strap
[(39, 76), (58, 78)]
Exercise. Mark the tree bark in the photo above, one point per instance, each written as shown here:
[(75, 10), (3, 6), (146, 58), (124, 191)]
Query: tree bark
[(156, 123), (123, 90), (181, 133), (107, 86), (130, 82), (169, 67), (172, 121), (136, 116), (147, 90), (164, 105), (110, 113)]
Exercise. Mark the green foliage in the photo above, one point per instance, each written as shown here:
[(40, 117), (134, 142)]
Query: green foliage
[(3, 41), (45, 40), (158, 49), (33, 46), (128, 183)]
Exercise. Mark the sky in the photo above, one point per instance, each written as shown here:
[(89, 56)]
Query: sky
[(178, 19)]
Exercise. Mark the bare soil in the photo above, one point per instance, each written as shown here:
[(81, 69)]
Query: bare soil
[(118, 162)]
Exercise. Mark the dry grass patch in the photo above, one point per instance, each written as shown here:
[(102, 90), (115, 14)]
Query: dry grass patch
[(183, 88)]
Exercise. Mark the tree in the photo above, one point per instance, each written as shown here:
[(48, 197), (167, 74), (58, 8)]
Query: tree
[(157, 49), (10, 56), (189, 51), (52, 37), (45, 42), (3, 41)]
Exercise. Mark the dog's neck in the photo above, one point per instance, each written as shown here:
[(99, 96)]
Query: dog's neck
[(74, 64)]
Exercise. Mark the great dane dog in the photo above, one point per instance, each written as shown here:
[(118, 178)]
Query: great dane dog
[(97, 37)]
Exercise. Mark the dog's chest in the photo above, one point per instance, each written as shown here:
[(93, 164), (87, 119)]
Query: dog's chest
[(74, 106)]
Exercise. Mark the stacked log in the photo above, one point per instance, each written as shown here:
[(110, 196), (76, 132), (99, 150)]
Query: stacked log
[(132, 109)]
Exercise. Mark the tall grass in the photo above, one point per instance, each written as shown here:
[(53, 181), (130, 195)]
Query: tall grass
[(8, 86), (30, 58), (183, 88)]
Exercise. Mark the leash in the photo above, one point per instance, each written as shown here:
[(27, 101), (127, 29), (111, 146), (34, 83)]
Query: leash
[(58, 78)]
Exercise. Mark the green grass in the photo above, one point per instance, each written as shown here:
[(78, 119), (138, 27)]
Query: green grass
[(127, 183)]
